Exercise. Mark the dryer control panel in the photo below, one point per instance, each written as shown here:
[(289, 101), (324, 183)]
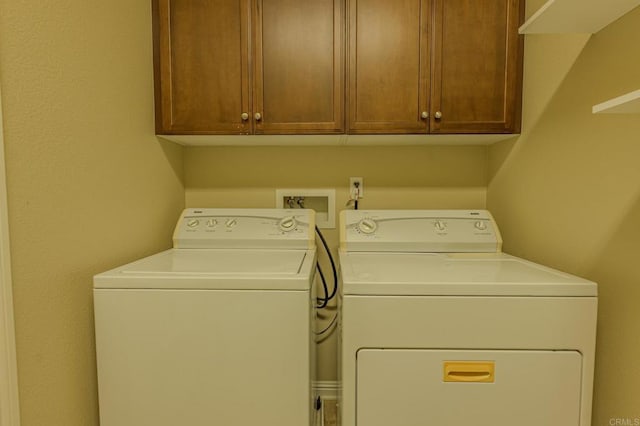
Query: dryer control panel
[(245, 228), (429, 231)]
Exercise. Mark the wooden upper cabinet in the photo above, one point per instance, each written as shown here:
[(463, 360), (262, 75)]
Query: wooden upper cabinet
[(245, 66), (201, 51), (277, 66), (388, 66), (477, 73), (439, 66), (299, 66)]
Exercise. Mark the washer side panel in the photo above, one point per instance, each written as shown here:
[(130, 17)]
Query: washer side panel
[(171, 357)]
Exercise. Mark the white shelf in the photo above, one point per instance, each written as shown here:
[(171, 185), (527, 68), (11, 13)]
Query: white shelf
[(625, 104), (576, 16)]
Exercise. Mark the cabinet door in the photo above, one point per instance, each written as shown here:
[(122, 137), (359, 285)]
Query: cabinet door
[(201, 66), (298, 66), (388, 65), (477, 66)]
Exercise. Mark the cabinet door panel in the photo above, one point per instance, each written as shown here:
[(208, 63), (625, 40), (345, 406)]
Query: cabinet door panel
[(298, 66), (202, 83), (388, 65), (477, 70)]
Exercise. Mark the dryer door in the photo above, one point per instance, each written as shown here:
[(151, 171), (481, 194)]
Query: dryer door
[(482, 388)]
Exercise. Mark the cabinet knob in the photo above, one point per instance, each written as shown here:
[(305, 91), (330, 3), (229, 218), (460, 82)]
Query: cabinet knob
[(244, 116), (424, 115), (258, 116), (438, 115)]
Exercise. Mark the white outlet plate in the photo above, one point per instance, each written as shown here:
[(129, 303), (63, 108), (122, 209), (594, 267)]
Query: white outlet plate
[(323, 201), (352, 186)]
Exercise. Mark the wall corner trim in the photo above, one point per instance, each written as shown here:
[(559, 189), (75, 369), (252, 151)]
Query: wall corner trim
[(9, 405)]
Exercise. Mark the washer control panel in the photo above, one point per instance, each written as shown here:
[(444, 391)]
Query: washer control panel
[(245, 228), (445, 231)]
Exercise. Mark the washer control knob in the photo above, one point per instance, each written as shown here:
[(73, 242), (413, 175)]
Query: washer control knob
[(480, 225), (231, 223), (287, 223), (211, 223), (440, 225), (367, 226), (192, 223)]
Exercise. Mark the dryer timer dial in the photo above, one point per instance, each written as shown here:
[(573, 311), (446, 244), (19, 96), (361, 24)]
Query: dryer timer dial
[(367, 226)]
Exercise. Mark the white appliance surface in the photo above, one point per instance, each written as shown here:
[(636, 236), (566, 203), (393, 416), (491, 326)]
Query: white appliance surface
[(419, 231), (426, 289), (215, 269), (398, 387), (445, 274), (245, 229), (216, 330)]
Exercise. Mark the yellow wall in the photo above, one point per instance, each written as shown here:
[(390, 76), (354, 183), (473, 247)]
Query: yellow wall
[(89, 185), (567, 193)]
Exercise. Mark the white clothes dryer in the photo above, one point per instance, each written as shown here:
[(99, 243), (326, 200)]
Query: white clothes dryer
[(439, 327), (217, 330)]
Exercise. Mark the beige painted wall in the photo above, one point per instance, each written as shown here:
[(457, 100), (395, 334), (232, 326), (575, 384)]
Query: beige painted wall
[(567, 193), (89, 185), (406, 177)]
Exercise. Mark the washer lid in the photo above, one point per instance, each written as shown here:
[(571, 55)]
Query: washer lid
[(456, 274), (243, 269)]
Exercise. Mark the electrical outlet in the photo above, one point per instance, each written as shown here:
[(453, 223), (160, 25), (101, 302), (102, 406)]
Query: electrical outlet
[(356, 183)]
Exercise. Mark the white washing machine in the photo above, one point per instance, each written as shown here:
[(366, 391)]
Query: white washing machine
[(217, 330), (441, 328)]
